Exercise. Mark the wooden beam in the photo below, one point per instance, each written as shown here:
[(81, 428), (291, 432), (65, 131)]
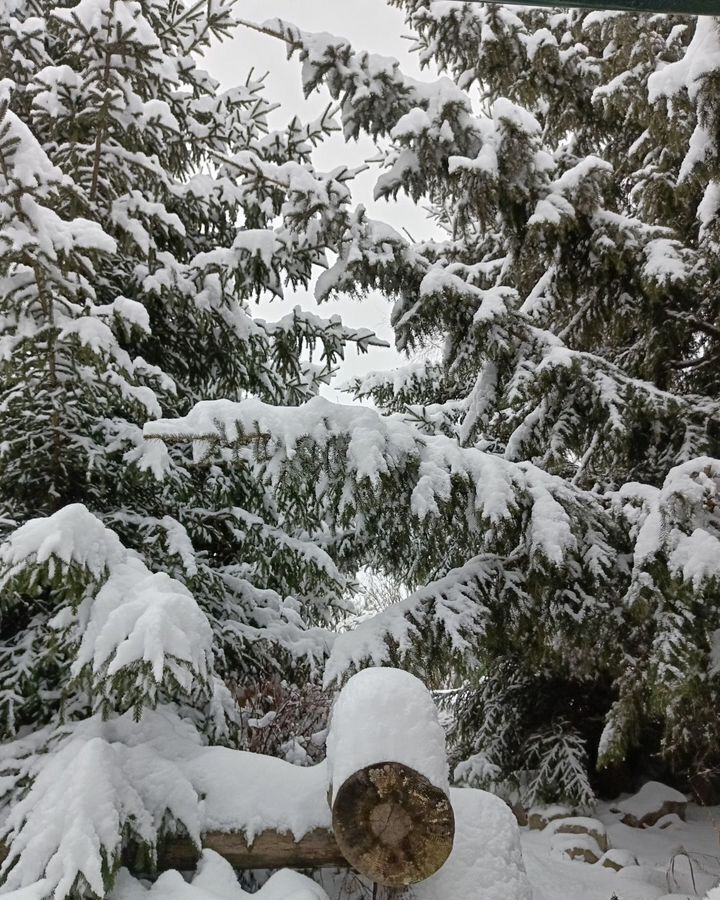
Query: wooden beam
[(677, 7), (391, 822), (317, 849), (270, 850)]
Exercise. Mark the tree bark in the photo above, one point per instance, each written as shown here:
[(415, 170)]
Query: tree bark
[(270, 850), (317, 849)]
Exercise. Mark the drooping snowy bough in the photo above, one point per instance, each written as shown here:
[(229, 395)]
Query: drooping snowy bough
[(388, 778)]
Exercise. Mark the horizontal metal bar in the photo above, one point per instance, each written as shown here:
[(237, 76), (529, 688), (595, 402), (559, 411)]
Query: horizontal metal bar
[(678, 7)]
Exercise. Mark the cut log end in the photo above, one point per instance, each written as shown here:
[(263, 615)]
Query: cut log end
[(392, 824)]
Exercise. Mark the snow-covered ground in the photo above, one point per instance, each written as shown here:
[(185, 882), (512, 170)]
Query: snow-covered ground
[(669, 858)]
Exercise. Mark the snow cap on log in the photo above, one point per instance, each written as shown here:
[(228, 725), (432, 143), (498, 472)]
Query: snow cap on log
[(388, 778), (384, 715)]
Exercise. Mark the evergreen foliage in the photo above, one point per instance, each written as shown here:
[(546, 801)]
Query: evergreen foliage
[(125, 289), (142, 209), (572, 160), (547, 486)]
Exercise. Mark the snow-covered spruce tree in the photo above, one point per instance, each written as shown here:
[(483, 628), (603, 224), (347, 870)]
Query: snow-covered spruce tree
[(576, 299), (141, 210)]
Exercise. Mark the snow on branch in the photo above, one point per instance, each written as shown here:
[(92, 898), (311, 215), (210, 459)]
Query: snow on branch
[(696, 76), (678, 524), (73, 536), (375, 447), (399, 386), (452, 603), (135, 631), (351, 462), (147, 624)]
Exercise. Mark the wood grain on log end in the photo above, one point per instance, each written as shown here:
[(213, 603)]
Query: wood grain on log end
[(392, 824)]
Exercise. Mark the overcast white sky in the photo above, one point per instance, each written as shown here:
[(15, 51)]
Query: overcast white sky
[(370, 25)]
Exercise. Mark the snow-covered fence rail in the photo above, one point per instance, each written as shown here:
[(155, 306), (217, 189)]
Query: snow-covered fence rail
[(388, 808), (379, 803), (317, 849)]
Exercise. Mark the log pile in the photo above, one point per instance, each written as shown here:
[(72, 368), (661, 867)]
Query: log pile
[(392, 820)]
